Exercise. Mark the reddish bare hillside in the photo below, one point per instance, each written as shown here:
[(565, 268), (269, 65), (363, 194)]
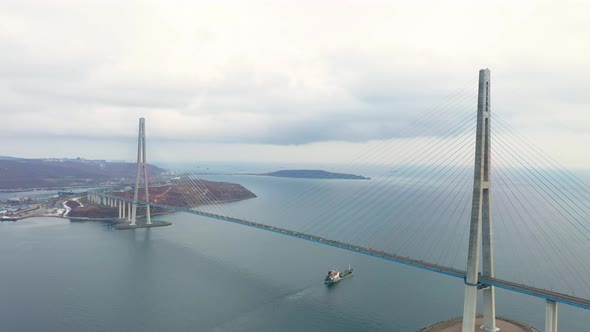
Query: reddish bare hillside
[(181, 194), (91, 211)]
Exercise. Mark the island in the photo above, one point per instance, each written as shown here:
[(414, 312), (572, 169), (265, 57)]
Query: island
[(313, 174), (179, 193), (58, 186)]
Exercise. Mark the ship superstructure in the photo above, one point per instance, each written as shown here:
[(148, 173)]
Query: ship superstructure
[(334, 275)]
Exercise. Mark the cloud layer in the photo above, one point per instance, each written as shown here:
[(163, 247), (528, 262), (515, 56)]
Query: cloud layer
[(277, 72)]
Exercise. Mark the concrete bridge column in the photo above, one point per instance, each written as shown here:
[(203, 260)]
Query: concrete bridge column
[(551, 316), (129, 211), (120, 210), (148, 214), (133, 212)]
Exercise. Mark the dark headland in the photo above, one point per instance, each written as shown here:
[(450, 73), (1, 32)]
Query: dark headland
[(313, 174), (20, 174)]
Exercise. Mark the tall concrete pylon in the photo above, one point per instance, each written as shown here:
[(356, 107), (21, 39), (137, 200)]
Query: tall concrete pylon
[(481, 234), (141, 167)]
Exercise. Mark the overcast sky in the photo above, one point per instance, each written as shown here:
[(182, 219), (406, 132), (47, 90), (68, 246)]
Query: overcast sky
[(280, 80)]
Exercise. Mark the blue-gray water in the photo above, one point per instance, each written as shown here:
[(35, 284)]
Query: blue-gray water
[(206, 275)]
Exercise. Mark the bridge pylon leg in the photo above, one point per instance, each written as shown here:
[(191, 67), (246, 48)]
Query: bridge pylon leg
[(489, 297), (480, 233), (469, 308), (551, 316), (141, 168)]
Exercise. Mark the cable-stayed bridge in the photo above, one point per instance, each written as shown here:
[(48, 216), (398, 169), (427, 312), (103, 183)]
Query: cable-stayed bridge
[(416, 211)]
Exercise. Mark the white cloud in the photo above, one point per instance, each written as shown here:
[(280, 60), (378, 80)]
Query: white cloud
[(278, 72)]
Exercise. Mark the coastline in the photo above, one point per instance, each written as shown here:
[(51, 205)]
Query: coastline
[(455, 325)]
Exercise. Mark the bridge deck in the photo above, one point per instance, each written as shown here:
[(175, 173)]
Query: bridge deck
[(496, 282)]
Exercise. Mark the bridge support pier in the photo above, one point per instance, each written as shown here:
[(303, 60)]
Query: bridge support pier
[(120, 210), (551, 316), (129, 212), (148, 216), (133, 213)]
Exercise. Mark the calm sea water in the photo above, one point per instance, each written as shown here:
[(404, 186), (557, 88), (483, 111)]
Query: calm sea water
[(206, 275)]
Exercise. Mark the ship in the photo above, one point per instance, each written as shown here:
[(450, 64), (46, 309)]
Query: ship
[(335, 275)]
